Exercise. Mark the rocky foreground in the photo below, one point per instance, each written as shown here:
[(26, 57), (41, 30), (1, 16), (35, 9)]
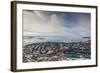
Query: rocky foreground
[(56, 51)]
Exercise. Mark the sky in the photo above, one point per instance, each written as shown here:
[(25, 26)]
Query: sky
[(50, 23)]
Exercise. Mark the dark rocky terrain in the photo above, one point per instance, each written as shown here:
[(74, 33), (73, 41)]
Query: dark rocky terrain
[(56, 51)]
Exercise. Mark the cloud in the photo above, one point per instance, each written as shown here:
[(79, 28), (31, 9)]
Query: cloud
[(39, 22), (55, 24)]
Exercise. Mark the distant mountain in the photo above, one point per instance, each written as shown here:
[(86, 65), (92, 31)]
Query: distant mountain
[(86, 37)]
